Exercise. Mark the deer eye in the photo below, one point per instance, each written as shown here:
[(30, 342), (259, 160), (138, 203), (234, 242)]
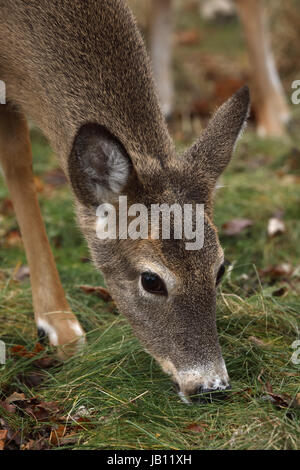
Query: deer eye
[(220, 274), (153, 283)]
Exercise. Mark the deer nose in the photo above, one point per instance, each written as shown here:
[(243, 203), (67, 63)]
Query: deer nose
[(203, 384), (209, 395)]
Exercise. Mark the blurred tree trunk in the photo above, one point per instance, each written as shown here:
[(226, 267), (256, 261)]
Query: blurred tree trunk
[(161, 51), (270, 103)]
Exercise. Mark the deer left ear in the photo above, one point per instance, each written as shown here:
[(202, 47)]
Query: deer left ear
[(99, 166), (212, 153)]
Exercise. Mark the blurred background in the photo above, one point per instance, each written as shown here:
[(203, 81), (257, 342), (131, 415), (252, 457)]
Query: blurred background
[(204, 50)]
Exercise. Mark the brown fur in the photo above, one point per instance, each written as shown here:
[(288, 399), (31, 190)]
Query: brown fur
[(82, 73)]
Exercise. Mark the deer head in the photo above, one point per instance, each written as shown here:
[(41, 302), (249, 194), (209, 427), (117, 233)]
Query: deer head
[(168, 293)]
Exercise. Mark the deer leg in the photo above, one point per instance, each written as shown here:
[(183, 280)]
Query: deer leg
[(271, 106), (52, 312), (161, 51)]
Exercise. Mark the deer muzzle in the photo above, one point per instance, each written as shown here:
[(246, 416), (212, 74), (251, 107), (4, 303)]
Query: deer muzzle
[(199, 383)]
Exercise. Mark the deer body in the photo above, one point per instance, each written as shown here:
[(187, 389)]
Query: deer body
[(81, 72)]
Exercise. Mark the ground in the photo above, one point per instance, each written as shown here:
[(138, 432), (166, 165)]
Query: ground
[(114, 396)]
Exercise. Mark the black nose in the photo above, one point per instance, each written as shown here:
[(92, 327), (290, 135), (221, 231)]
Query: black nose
[(209, 395)]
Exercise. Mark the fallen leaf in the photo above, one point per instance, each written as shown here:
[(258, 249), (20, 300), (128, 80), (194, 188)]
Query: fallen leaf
[(198, 427), (13, 438), (22, 273), (236, 226), (13, 238), (258, 342), (56, 434), (39, 185), (7, 207), (187, 38), (99, 291), (37, 444), (277, 271), (42, 411), (20, 350), (280, 400), (10, 408), (276, 227), (15, 397), (280, 292), (3, 436), (32, 380)]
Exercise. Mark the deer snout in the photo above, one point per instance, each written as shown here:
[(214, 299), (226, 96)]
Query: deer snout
[(203, 384)]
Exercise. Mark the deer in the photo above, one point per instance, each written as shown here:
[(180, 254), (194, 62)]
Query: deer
[(80, 71)]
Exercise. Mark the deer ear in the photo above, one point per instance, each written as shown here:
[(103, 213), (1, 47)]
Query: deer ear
[(212, 153), (99, 166)]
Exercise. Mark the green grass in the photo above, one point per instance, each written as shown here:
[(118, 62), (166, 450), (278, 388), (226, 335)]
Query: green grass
[(134, 405)]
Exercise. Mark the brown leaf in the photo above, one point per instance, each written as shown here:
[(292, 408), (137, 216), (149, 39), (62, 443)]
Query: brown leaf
[(8, 407), (32, 380), (258, 342), (236, 226), (20, 351), (39, 444), (283, 270), (30, 445), (187, 38), (42, 411), (45, 362), (280, 292), (13, 438), (282, 400), (81, 423), (39, 185), (7, 207), (99, 291), (15, 397), (3, 436), (56, 434), (21, 273), (13, 238)]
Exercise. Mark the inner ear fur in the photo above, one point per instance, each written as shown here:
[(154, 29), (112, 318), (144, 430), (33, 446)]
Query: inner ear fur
[(99, 165)]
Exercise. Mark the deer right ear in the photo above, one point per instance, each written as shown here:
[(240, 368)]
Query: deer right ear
[(99, 166)]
